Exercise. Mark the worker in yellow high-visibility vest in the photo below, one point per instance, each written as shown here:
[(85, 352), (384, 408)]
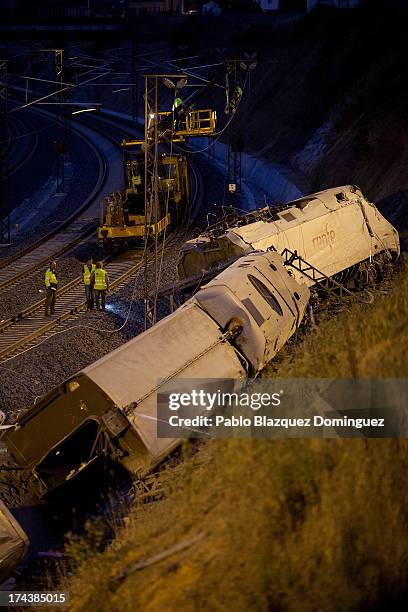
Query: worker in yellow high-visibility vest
[(177, 102), (51, 283), (101, 285), (89, 268), (134, 175), (136, 180), (177, 109), (235, 98)]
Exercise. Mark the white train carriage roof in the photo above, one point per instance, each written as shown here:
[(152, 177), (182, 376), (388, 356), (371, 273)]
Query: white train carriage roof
[(132, 371), (258, 294), (267, 264), (184, 345), (300, 211), (334, 198), (13, 543)]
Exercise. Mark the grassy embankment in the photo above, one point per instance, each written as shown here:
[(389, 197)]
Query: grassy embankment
[(287, 524)]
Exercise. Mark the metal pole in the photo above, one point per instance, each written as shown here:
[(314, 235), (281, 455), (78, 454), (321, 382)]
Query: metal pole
[(5, 138), (156, 195), (151, 182), (146, 198), (135, 81), (60, 123)]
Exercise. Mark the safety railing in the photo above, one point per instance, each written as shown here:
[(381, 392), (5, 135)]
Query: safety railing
[(192, 122)]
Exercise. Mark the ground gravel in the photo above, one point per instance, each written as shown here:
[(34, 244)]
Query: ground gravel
[(37, 371), (29, 376), (84, 340), (31, 289)]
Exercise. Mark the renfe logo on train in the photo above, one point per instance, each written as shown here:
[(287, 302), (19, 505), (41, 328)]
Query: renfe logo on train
[(324, 239)]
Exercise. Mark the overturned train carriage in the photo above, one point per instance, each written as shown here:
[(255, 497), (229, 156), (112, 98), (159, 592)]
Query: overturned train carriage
[(230, 329), (13, 543), (337, 231)]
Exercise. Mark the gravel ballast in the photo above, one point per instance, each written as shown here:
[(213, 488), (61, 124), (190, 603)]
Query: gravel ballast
[(34, 373)]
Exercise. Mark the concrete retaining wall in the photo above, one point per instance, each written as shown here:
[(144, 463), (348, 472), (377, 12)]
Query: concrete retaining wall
[(268, 177)]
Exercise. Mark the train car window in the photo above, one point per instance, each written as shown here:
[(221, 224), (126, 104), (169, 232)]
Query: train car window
[(301, 204), (297, 296), (288, 216), (266, 294), (250, 306)]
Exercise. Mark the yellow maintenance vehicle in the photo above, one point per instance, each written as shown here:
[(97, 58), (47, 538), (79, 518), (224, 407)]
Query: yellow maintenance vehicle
[(123, 220), (156, 193)]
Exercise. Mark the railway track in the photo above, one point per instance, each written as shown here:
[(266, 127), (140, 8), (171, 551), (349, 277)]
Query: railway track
[(38, 245), (29, 325), (67, 235), (29, 150), (22, 332), (26, 265)]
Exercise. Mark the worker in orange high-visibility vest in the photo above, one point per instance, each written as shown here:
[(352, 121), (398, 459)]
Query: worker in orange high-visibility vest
[(100, 284)]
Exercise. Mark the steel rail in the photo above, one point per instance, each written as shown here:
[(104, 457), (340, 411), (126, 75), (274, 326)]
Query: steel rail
[(17, 332), (29, 150), (9, 277), (113, 124), (103, 173), (24, 328)]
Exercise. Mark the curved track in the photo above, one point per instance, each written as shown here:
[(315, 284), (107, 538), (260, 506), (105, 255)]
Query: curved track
[(62, 238), (28, 151), (68, 234), (22, 332)]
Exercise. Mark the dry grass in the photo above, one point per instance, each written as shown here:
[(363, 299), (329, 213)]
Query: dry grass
[(365, 341), (289, 524)]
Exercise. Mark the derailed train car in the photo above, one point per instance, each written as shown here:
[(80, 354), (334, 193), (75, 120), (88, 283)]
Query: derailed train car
[(335, 230), (230, 329), (13, 543)]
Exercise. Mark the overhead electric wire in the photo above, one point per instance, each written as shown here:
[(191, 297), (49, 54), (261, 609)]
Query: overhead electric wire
[(57, 92), (28, 78), (220, 133), (187, 71), (158, 276)]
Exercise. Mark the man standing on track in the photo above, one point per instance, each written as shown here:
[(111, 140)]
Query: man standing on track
[(101, 285), (51, 283), (89, 269)]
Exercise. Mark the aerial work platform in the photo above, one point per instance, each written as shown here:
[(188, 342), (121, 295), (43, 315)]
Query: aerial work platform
[(193, 123), (199, 122)]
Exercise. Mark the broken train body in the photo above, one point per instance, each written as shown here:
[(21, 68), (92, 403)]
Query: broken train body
[(230, 329), (13, 543), (337, 231)]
